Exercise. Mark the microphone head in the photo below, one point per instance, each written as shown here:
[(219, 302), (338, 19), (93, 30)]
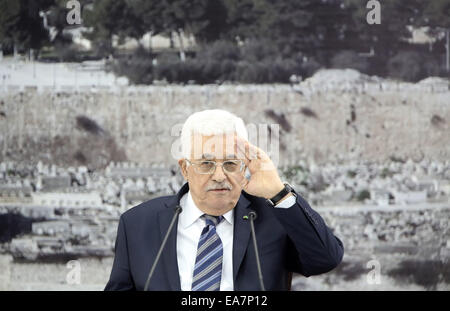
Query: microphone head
[(252, 215), (178, 209)]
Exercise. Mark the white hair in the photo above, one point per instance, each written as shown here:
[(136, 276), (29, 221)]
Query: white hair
[(210, 122)]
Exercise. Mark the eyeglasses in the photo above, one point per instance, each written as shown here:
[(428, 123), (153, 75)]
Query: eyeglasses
[(209, 167)]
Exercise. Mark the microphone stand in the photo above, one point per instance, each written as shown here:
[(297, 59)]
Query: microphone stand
[(178, 210), (252, 215)]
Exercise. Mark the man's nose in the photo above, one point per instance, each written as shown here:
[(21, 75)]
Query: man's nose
[(219, 174)]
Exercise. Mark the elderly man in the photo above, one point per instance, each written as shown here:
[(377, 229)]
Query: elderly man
[(211, 246)]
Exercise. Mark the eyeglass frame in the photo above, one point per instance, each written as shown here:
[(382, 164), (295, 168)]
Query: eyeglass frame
[(215, 166)]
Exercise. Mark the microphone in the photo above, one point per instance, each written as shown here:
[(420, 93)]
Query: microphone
[(178, 210), (252, 215)]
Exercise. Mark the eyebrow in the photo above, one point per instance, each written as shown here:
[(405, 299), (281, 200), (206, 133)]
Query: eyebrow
[(231, 156), (208, 156)]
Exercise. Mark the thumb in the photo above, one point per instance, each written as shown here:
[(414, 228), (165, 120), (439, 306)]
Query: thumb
[(240, 180)]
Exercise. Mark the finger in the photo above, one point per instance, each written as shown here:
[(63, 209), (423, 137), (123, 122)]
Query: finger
[(250, 151), (256, 152), (240, 180), (242, 149), (244, 183)]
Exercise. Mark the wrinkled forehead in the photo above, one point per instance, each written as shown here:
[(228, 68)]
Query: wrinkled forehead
[(221, 146)]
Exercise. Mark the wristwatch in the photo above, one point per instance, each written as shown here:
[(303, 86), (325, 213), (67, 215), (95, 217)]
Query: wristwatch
[(276, 199)]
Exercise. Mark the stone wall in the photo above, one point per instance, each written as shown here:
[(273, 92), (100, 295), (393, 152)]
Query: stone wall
[(350, 117)]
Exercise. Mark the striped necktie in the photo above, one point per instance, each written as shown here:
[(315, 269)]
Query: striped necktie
[(208, 263)]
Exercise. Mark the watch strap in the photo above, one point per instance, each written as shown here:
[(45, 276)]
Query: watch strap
[(276, 199)]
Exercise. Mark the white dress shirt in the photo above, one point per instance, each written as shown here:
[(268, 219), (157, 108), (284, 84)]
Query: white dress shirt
[(190, 227)]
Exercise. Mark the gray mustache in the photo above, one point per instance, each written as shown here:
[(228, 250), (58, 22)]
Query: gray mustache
[(215, 187)]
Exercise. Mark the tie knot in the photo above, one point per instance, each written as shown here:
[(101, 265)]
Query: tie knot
[(212, 220)]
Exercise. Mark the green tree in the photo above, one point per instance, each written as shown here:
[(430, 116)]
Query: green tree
[(436, 15), (390, 35), (313, 25), (309, 26), (244, 18), (108, 18), (20, 24), (205, 19), (148, 15)]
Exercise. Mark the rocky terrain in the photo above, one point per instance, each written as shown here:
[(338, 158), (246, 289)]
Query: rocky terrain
[(395, 213)]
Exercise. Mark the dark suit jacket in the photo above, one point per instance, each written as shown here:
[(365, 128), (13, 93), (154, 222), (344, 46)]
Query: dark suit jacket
[(295, 239)]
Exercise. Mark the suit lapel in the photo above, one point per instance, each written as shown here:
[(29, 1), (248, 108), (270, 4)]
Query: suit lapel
[(241, 233), (169, 254)]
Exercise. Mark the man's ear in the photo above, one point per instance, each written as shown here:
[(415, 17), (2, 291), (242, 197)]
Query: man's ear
[(183, 167)]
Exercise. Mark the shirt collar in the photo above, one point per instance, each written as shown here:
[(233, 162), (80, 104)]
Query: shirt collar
[(191, 213)]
